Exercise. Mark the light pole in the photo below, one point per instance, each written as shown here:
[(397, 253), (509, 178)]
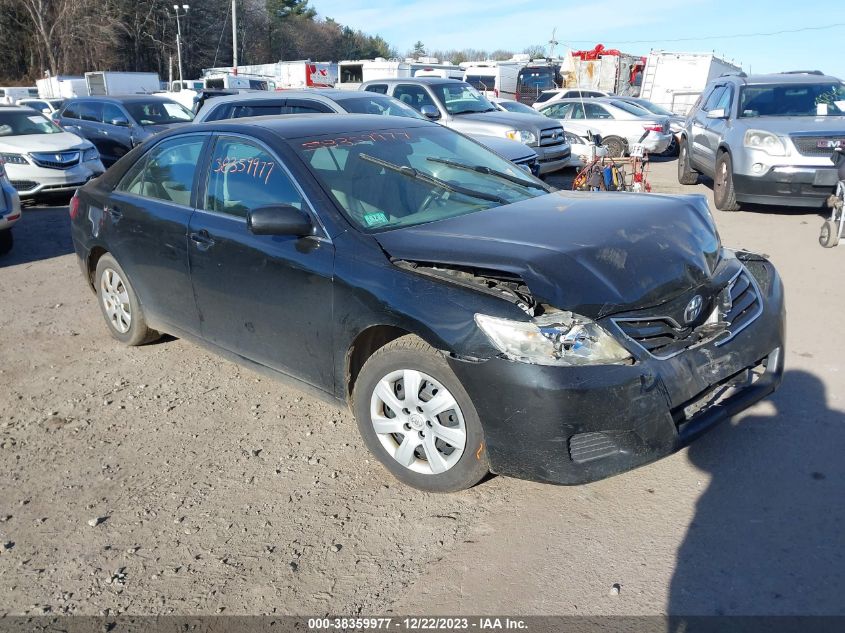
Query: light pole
[(179, 38)]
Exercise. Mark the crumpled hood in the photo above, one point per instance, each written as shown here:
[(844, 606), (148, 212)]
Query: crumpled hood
[(592, 253), (43, 143)]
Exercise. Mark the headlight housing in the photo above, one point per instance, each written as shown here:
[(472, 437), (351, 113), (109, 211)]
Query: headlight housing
[(90, 154), (13, 159), (765, 142), (558, 338), (523, 136)]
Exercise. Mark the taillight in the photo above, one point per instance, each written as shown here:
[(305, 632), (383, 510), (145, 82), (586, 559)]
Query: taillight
[(653, 128), (73, 208)]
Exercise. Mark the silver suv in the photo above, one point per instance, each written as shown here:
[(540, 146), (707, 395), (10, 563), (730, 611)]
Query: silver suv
[(765, 139), (458, 105)]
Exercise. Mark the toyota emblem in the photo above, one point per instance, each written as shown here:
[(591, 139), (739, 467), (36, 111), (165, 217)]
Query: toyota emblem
[(693, 309)]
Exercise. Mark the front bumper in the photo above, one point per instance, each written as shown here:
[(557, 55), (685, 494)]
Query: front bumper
[(553, 158), (787, 185), (573, 425), (31, 180)]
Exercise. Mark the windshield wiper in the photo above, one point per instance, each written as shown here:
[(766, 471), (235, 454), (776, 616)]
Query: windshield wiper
[(483, 169), (416, 174)]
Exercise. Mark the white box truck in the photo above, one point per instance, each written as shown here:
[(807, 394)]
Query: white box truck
[(675, 80), (352, 73), (62, 87), (10, 94), (121, 83), (494, 78), (285, 75)]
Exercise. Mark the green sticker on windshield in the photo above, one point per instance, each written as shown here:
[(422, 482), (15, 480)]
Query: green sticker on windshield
[(374, 219)]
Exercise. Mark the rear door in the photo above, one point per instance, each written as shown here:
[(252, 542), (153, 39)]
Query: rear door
[(267, 298), (147, 221), (89, 114), (115, 133), (703, 154)]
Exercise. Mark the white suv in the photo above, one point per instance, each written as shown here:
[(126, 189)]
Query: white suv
[(41, 157)]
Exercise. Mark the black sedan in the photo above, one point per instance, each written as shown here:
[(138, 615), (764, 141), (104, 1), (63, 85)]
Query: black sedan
[(472, 319)]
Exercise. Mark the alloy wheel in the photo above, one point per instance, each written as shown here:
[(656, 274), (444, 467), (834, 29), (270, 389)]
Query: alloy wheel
[(115, 300)]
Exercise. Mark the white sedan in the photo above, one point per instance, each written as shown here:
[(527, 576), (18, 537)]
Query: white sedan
[(40, 157), (621, 125)]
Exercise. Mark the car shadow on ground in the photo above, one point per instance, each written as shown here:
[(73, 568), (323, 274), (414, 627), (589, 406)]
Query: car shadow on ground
[(821, 211), (768, 536), (43, 232)]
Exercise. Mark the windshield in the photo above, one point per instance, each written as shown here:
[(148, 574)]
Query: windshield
[(23, 123), (158, 112), (417, 184), (461, 98), (537, 77), (516, 106), (376, 104), (792, 100)]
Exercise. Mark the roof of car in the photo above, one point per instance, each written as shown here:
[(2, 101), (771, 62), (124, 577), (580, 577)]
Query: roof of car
[(122, 98), (331, 94), (16, 108), (412, 80), (796, 77), (299, 125)]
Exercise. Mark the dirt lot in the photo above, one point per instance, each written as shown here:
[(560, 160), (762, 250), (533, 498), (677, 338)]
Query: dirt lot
[(163, 480)]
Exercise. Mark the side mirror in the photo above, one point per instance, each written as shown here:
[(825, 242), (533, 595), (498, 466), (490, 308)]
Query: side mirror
[(717, 114), (280, 219), (119, 122), (430, 112)]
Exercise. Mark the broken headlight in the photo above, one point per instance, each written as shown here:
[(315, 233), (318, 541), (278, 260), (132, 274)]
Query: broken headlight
[(557, 338)]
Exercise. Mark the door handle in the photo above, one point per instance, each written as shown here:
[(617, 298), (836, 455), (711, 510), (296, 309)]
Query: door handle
[(201, 239), (114, 212)]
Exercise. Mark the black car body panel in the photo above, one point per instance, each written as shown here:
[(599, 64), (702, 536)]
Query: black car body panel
[(298, 307)]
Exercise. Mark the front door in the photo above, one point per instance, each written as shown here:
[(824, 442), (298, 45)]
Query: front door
[(265, 297), (147, 218)]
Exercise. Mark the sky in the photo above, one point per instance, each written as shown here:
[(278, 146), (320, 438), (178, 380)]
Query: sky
[(516, 24)]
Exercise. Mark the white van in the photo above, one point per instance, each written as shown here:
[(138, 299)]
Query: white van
[(352, 73), (493, 78)]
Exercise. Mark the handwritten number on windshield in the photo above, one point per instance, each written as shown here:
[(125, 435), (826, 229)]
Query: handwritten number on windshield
[(257, 168)]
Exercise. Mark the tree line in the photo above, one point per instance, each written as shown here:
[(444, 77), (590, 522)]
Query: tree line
[(75, 36)]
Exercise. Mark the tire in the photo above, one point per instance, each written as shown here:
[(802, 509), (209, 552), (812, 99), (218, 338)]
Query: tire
[(686, 174), (616, 147), (724, 194), (829, 235), (6, 241), (420, 449), (120, 305)]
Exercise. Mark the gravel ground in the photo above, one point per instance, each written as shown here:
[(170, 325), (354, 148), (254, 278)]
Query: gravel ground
[(162, 479)]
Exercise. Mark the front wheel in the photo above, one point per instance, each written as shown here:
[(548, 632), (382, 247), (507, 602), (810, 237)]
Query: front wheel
[(686, 174), (724, 194), (120, 305), (829, 236), (416, 418)]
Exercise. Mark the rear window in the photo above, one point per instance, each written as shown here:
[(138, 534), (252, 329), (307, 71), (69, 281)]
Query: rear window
[(545, 96), (377, 104), (630, 108)]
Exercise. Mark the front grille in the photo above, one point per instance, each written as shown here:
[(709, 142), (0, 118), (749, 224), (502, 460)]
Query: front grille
[(738, 304), (552, 136), (24, 185), (55, 160), (745, 304), (809, 145)]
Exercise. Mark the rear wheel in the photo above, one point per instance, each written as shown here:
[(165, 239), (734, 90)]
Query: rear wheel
[(724, 194), (616, 147), (6, 241), (829, 236), (686, 174), (416, 418), (120, 305)]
